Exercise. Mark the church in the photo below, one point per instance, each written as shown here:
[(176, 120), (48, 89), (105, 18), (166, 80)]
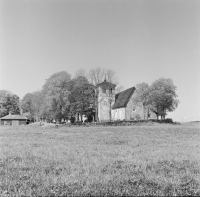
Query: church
[(118, 106)]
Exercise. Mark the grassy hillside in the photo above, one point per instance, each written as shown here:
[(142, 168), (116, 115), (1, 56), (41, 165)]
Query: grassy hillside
[(140, 160)]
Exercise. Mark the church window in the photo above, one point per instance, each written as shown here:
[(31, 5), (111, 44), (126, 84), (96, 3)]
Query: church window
[(134, 109), (104, 90)]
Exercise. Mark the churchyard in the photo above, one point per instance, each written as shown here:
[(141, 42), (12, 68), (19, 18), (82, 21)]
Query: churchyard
[(155, 160)]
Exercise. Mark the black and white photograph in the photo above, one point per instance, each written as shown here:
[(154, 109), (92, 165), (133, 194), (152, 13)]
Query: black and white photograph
[(99, 98)]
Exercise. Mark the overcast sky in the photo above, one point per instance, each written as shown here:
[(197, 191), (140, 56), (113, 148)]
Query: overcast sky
[(141, 40)]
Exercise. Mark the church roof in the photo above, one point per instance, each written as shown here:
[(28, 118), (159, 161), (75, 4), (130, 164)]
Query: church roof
[(106, 85), (122, 98), (13, 117)]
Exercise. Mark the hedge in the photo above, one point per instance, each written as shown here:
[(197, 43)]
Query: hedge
[(122, 122)]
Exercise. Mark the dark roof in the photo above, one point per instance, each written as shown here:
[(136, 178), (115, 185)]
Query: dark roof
[(106, 85), (122, 98), (13, 117)]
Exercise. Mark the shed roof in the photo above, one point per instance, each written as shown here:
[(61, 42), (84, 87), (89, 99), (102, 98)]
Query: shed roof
[(13, 117), (122, 98)]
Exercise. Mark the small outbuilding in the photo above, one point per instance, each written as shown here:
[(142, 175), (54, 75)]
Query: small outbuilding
[(13, 120)]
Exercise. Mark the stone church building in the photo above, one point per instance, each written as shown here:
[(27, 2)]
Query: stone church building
[(119, 106)]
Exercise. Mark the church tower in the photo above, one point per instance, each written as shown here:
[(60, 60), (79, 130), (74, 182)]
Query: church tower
[(106, 96)]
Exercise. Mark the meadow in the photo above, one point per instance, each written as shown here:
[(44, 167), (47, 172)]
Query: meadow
[(157, 160)]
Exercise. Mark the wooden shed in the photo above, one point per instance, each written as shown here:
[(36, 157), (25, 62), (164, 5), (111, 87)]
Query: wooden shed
[(13, 120)]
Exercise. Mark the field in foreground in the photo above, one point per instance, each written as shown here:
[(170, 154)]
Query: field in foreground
[(135, 160)]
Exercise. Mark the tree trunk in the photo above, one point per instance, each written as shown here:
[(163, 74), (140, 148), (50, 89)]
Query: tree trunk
[(96, 112), (110, 113), (164, 114), (77, 117), (157, 114)]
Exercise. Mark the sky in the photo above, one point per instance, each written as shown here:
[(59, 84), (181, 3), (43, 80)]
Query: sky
[(141, 40)]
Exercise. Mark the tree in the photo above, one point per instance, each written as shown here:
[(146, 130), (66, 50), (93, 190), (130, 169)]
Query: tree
[(56, 96), (162, 97), (112, 78), (31, 105), (80, 72), (96, 76), (81, 97), (142, 97), (37, 101), (26, 105), (9, 103)]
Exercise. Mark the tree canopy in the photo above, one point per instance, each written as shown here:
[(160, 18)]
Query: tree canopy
[(163, 97), (9, 103), (31, 105), (56, 91), (63, 97), (160, 97), (142, 97), (81, 97)]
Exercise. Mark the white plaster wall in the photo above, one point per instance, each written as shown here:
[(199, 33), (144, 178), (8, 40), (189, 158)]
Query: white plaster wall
[(118, 114)]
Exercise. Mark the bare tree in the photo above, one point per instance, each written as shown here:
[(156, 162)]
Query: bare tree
[(112, 78), (96, 75), (80, 73)]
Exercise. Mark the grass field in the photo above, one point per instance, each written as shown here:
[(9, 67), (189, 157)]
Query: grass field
[(133, 160)]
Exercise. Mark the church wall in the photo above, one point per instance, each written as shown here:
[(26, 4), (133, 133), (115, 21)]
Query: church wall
[(103, 111), (133, 110), (118, 114), (103, 106)]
